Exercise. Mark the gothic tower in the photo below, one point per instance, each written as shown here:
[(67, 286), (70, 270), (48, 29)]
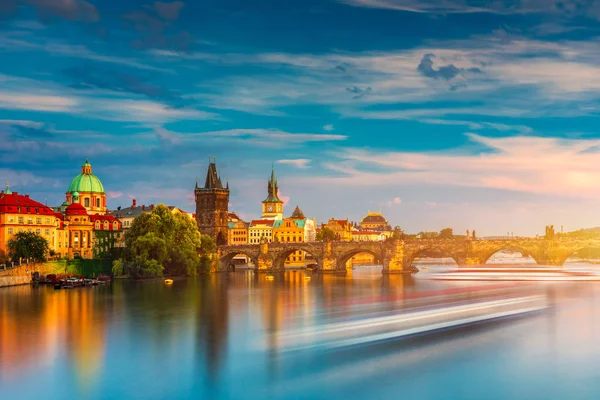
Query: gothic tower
[(212, 206), (272, 206)]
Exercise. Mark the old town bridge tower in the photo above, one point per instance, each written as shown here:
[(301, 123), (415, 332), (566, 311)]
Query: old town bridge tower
[(212, 206)]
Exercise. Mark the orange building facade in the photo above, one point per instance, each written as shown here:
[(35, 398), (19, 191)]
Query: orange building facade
[(72, 230)]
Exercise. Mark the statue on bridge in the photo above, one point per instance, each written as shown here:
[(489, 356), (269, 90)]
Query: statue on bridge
[(549, 232)]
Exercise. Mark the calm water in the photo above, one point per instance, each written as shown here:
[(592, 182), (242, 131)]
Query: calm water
[(217, 338)]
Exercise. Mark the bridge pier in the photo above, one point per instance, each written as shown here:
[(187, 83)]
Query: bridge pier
[(393, 260)]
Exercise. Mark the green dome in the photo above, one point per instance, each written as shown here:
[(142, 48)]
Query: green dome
[(85, 183)]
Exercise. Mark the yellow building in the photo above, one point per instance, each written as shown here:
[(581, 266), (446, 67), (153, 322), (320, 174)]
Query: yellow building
[(290, 230), (237, 233), (19, 213), (260, 229), (342, 228)]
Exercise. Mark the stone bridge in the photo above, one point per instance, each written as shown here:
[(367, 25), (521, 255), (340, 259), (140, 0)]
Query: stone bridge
[(398, 255)]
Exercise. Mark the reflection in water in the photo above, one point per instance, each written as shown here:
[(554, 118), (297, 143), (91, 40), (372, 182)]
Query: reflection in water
[(222, 336)]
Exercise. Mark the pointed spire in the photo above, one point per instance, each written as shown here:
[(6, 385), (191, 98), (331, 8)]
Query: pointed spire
[(212, 178), (227, 185), (196, 182)]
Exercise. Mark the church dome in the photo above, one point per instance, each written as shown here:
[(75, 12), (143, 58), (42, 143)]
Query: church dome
[(86, 182), (374, 218)]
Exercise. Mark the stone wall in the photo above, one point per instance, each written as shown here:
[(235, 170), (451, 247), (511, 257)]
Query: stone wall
[(21, 275)]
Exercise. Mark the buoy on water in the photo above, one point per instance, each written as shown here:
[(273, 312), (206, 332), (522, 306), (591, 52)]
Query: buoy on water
[(269, 277), (168, 281)]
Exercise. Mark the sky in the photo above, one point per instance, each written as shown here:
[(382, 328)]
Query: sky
[(438, 113)]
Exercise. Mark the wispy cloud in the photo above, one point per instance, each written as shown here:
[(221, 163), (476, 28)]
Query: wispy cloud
[(568, 8), (272, 137), (50, 103), (526, 164), (298, 163)]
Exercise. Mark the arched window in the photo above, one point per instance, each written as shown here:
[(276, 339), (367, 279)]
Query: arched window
[(98, 202)]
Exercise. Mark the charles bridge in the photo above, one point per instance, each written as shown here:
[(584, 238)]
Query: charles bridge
[(397, 255)]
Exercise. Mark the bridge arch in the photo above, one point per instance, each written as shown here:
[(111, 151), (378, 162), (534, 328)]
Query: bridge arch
[(226, 260), (509, 247), (593, 248), (431, 251), (281, 255), (347, 255)]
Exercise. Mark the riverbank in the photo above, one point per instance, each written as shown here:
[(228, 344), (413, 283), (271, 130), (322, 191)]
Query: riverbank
[(21, 275)]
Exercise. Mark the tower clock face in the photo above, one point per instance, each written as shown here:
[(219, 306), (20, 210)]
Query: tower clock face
[(270, 208)]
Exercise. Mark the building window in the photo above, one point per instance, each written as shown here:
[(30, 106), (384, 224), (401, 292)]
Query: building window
[(30, 220), (11, 219), (38, 231), (10, 231), (38, 221), (86, 202), (21, 220), (47, 221), (47, 232), (98, 202)]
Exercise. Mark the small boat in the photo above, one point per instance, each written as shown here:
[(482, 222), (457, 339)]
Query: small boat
[(307, 278), (168, 281), (269, 277)]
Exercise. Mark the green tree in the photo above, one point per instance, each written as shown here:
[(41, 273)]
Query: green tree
[(3, 257), (427, 235), (398, 233), (446, 233), (326, 234), (163, 241), (28, 245)]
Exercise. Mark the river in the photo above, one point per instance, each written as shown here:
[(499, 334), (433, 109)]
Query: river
[(219, 337)]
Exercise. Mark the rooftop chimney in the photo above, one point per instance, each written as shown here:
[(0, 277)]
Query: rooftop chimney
[(134, 204)]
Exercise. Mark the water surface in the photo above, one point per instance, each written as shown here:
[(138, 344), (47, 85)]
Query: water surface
[(217, 337)]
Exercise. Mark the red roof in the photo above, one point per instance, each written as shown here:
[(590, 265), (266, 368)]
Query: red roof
[(22, 204), (263, 222), (75, 209), (106, 218), (366, 233)]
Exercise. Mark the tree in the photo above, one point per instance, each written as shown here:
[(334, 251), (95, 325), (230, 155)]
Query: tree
[(163, 241), (427, 235), (398, 233), (326, 234), (28, 245), (446, 233), (3, 257)]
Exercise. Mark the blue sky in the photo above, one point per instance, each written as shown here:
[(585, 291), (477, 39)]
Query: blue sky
[(455, 113)]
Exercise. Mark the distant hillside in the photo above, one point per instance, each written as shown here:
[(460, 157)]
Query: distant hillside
[(591, 230)]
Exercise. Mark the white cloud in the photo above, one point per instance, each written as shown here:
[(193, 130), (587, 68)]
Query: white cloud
[(298, 163), (271, 137), (524, 164), (51, 103), (24, 123), (565, 9)]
